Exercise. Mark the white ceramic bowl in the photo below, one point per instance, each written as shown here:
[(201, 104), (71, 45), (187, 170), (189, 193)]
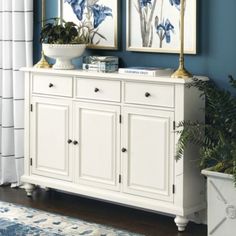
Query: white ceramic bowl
[(63, 53)]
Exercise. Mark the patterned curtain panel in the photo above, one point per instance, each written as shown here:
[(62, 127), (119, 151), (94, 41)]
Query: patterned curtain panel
[(16, 39)]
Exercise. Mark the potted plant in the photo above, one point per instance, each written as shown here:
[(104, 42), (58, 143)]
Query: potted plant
[(216, 138), (65, 41)]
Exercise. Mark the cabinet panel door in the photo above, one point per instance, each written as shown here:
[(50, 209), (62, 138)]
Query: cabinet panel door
[(148, 161), (51, 129), (98, 153)]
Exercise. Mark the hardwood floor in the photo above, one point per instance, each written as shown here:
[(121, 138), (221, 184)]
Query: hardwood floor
[(133, 220)]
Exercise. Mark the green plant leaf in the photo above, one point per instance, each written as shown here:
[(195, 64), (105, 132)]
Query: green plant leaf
[(55, 32), (217, 137)]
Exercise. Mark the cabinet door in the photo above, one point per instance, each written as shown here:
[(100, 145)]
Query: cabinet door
[(51, 123), (148, 160), (97, 156)]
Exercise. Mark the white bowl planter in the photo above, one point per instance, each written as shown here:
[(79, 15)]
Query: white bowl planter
[(221, 204), (63, 53)]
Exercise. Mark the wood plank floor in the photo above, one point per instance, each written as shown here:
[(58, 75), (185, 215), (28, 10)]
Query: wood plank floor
[(137, 221)]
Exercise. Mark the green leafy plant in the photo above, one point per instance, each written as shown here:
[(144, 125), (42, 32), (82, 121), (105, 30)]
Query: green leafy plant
[(217, 136), (57, 32)]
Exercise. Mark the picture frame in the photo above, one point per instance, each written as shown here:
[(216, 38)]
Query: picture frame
[(90, 12), (158, 28)]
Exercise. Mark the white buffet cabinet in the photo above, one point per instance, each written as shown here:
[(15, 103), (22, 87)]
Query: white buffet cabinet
[(112, 137)]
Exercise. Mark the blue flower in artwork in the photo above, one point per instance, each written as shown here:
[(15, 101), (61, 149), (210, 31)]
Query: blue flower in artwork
[(144, 3), (78, 7), (175, 3), (167, 28), (100, 13)]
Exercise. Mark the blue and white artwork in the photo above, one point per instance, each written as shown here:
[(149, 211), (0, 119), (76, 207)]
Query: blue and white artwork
[(154, 26), (99, 16)]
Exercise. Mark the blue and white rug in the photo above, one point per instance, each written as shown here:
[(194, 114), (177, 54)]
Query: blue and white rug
[(17, 220)]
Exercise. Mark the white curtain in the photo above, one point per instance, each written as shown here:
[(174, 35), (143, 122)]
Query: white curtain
[(16, 39)]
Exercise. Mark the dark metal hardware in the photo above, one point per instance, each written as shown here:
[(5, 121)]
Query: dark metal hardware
[(124, 150), (174, 125), (31, 161), (50, 85), (147, 94), (173, 189), (96, 90), (75, 142), (119, 179), (69, 141)]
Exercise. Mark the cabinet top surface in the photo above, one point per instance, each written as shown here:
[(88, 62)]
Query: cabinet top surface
[(116, 75)]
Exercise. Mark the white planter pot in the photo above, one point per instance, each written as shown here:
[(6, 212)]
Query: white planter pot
[(63, 53), (221, 204)]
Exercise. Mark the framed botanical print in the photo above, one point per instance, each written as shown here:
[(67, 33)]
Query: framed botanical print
[(154, 26), (100, 16)]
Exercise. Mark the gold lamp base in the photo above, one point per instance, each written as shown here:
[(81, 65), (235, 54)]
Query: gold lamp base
[(181, 73), (42, 63)]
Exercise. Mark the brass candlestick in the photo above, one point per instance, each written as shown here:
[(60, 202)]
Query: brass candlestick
[(43, 62), (181, 72), (61, 11)]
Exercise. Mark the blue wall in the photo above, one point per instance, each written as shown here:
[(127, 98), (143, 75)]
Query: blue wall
[(51, 11), (216, 56)]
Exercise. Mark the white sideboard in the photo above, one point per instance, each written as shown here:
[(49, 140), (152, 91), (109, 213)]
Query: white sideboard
[(112, 137)]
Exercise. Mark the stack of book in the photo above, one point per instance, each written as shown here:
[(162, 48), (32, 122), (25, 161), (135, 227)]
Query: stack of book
[(147, 71), (101, 63)]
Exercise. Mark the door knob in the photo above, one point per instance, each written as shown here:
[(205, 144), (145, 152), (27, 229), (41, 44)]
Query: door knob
[(147, 94), (50, 85), (96, 90), (75, 142), (69, 141), (124, 150)]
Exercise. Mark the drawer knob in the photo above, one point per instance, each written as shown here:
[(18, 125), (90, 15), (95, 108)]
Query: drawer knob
[(50, 85), (124, 150), (147, 94), (75, 142), (96, 90), (69, 141)]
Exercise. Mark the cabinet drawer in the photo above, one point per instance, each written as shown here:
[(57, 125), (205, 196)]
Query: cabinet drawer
[(105, 90), (149, 94), (52, 85)]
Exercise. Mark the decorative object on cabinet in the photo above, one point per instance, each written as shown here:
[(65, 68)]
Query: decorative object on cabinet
[(153, 26), (108, 120), (43, 62), (64, 53), (181, 72), (146, 71), (64, 41), (217, 140), (105, 64), (100, 15)]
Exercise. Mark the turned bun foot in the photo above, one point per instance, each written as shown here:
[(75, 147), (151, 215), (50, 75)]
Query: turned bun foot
[(181, 222), (29, 188)]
